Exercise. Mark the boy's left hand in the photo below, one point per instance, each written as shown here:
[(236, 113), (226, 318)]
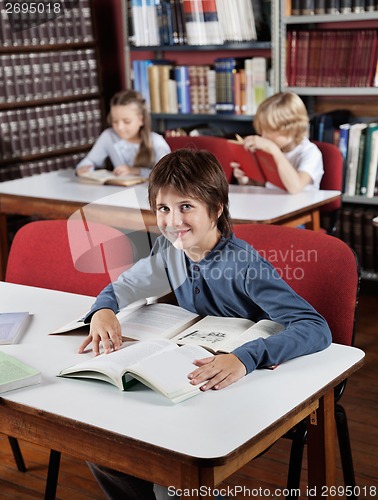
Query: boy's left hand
[(217, 371)]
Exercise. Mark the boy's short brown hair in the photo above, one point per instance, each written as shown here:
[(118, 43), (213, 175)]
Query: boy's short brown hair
[(285, 113), (194, 173)]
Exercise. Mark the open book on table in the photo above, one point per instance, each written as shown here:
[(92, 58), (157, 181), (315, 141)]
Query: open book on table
[(160, 363), (259, 166), (103, 176), (143, 320)]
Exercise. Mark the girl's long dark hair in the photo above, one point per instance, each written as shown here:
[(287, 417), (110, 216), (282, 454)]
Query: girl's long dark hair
[(145, 155)]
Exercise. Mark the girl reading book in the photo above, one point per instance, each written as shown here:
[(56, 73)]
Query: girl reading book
[(282, 124), (129, 143), (210, 272)]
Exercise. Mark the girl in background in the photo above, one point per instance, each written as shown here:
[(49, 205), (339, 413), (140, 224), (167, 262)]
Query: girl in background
[(129, 143)]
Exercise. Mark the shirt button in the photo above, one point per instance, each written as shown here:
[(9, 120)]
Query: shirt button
[(197, 290), (196, 268)]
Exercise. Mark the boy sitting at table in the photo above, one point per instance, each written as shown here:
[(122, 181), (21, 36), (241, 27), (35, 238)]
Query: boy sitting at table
[(211, 272), (282, 124)]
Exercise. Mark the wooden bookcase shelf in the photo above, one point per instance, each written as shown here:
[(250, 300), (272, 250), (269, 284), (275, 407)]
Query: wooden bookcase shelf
[(51, 96), (201, 55), (356, 227)]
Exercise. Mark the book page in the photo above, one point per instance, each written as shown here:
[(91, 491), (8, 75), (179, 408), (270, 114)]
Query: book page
[(168, 371), (262, 329), (115, 364), (213, 332), (121, 315), (157, 320), (103, 176)]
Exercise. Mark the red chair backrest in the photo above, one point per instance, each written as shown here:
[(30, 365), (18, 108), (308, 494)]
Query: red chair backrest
[(215, 145), (333, 172), (68, 256), (320, 268)]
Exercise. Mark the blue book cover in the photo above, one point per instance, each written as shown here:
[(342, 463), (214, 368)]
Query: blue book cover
[(183, 90), (343, 146)]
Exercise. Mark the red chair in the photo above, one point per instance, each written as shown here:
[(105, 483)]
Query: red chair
[(216, 145), (324, 271), (332, 180), (71, 256)]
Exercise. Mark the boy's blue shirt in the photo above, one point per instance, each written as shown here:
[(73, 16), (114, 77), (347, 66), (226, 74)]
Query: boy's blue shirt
[(233, 280)]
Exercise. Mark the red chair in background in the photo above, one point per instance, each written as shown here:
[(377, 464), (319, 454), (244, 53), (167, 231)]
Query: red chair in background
[(324, 271), (332, 180), (215, 145), (71, 256)]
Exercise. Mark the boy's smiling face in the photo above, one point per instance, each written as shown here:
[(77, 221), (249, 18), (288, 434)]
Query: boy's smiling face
[(186, 223)]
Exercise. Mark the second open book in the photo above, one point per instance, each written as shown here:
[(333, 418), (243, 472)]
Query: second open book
[(157, 360), (259, 166)]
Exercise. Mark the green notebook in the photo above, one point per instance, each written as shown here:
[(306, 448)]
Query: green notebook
[(15, 374)]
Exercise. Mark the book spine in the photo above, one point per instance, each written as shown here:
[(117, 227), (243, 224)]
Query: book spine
[(224, 68), (320, 7), (307, 7), (212, 25), (343, 147), (183, 90), (345, 6), (195, 22), (358, 6), (332, 6)]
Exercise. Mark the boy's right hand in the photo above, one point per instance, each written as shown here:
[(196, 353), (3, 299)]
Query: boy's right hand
[(106, 329)]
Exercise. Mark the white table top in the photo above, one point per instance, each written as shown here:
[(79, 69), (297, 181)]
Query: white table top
[(246, 202), (192, 427)]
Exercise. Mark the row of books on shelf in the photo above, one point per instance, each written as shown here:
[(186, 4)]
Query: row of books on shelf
[(28, 168), (29, 27), (228, 86), (358, 143), (332, 58), (358, 231), (357, 139), (46, 75), (196, 22), (320, 7), (35, 130)]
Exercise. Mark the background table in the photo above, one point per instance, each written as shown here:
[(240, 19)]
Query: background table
[(59, 194)]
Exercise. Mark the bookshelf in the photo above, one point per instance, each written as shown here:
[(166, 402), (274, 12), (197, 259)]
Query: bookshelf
[(324, 93), (200, 54), (51, 97)]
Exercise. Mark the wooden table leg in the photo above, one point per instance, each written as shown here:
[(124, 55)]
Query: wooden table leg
[(315, 221), (321, 448)]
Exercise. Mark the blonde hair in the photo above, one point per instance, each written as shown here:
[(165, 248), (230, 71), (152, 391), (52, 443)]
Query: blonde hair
[(285, 113), (145, 155)]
